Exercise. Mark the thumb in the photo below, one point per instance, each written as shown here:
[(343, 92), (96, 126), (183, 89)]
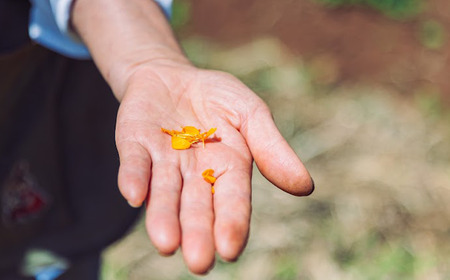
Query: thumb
[(276, 160)]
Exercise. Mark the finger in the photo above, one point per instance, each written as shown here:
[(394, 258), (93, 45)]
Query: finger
[(163, 207), (134, 172), (197, 218), (274, 157), (232, 207)]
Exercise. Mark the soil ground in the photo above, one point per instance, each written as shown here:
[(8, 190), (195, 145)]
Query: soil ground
[(355, 44)]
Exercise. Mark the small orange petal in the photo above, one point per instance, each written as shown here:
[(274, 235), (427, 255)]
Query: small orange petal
[(170, 132), (208, 172), (210, 179), (209, 133), (190, 130), (208, 176), (187, 136), (180, 143)]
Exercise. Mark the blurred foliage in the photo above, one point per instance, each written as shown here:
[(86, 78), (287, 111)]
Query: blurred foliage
[(428, 99), (286, 268), (432, 34), (373, 258), (109, 272), (397, 9), (181, 13)]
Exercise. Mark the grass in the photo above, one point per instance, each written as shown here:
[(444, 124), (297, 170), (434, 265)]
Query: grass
[(396, 9), (432, 35), (180, 14)]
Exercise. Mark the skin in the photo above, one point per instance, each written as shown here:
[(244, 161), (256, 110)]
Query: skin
[(134, 48)]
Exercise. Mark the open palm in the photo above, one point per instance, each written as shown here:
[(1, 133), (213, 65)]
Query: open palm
[(181, 209)]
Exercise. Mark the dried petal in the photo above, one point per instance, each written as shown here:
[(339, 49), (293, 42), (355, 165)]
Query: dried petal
[(208, 176), (191, 139), (187, 136), (208, 172), (209, 133), (190, 130), (205, 135), (210, 179), (180, 143), (170, 132)]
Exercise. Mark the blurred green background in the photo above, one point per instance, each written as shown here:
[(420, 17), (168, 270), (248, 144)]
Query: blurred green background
[(360, 88)]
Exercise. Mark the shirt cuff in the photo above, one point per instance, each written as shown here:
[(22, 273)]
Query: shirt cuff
[(49, 26)]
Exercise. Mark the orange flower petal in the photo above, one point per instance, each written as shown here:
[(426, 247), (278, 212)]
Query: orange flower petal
[(187, 136), (180, 143), (190, 130), (170, 132), (209, 133), (208, 172), (208, 176), (210, 179)]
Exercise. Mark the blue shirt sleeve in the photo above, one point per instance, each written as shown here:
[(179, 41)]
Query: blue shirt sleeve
[(49, 26)]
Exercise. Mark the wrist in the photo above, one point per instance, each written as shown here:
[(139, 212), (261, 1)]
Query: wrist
[(127, 71), (125, 35)]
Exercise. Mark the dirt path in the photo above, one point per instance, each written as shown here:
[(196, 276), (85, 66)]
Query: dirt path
[(355, 45)]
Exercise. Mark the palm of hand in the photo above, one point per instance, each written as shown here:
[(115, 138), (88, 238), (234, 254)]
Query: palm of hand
[(181, 208)]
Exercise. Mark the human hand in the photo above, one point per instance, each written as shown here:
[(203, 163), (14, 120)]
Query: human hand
[(134, 48), (180, 208)]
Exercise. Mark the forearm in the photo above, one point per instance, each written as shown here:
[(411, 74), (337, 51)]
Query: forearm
[(123, 34)]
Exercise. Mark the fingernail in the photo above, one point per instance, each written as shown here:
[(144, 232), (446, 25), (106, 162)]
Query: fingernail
[(313, 186), (133, 205), (166, 254)]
